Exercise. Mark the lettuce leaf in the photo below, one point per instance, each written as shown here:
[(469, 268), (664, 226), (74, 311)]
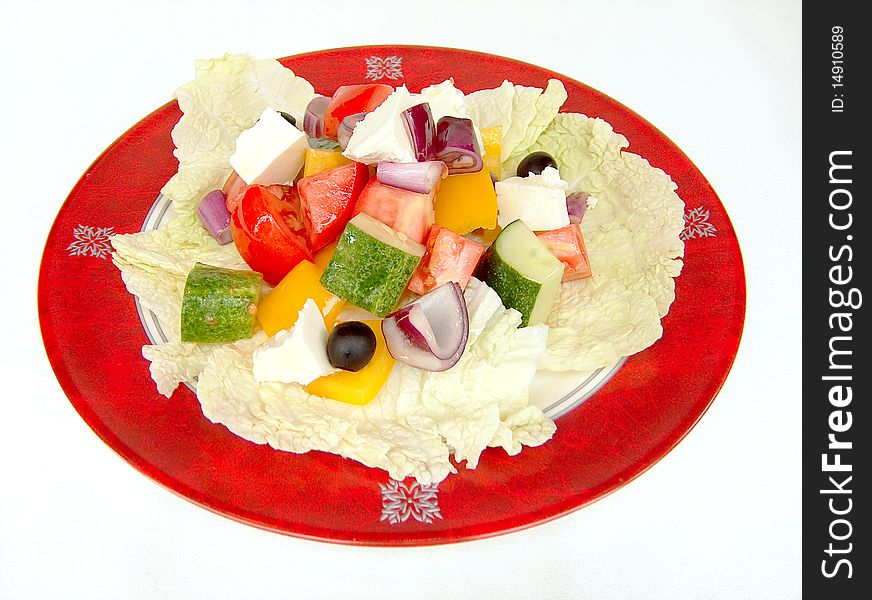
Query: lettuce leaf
[(418, 418), (225, 98), (523, 112), (632, 238)]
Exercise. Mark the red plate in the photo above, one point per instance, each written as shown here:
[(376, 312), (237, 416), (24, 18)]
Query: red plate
[(629, 424)]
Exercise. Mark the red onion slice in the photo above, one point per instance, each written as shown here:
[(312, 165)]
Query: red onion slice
[(457, 145), (346, 128), (215, 217), (313, 120), (419, 177), (576, 205), (431, 332), (419, 125)]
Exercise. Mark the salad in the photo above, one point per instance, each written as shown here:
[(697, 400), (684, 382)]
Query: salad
[(380, 273)]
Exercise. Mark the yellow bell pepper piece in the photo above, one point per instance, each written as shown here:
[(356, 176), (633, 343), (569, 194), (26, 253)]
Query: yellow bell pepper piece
[(318, 160), (323, 257), (466, 202), (492, 137), (360, 387), (278, 310)]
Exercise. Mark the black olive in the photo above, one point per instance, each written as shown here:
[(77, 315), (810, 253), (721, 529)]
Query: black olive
[(351, 346), (535, 163), (289, 118)]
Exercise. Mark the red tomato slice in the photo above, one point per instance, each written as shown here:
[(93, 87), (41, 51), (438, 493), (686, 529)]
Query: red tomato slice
[(448, 257), (263, 233), (353, 99), (408, 212), (567, 245), (327, 201)]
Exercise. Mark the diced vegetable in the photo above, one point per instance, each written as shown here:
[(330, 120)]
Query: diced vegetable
[(268, 234), (419, 124), (448, 257), (457, 145), (319, 160), (567, 245), (322, 143), (328, 200), (492, 138), (576, 206), (431, 332), (351, 99), (351, 346), (322, 259), (523, 272), (219, 305), (360, 387), (372, 265), (233, 189), (420, 177), (466, 202), (215, 217), (313, 120), (346, 128), (408, 212), (278, 310)]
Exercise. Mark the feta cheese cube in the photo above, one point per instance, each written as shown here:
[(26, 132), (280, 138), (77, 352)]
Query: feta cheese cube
[(271, 151), (538, 200), (296, 355), (381, 135)]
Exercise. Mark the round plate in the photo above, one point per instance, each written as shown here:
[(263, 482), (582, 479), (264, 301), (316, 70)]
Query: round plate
[(93, 337)]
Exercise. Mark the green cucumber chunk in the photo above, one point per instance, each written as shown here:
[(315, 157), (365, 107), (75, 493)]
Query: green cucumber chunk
[(519, 267), (219, 305), (372, 265)]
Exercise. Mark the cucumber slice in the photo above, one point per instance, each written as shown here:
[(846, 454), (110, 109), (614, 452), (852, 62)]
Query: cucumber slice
[(372, 265), (523, 272), (219, 305)]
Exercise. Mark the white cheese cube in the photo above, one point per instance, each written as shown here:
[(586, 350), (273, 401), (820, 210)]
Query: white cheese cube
[(296, 355), (381, 135), (538, 200), (271, 151)]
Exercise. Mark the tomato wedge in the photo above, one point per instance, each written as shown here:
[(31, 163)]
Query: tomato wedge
[(448, 257), (567, 245), (268, 232), (353, 99), (327, 201), (407, 212)]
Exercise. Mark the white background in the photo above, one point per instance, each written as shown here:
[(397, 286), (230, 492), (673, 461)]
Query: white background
[(719, 517)]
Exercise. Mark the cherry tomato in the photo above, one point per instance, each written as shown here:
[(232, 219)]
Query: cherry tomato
[(352, 99), (268, 232)]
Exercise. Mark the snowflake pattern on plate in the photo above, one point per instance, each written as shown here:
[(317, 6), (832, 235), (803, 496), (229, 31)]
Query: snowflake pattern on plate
[(91, 241), (390, 67), (696, 224), (401, 501)]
